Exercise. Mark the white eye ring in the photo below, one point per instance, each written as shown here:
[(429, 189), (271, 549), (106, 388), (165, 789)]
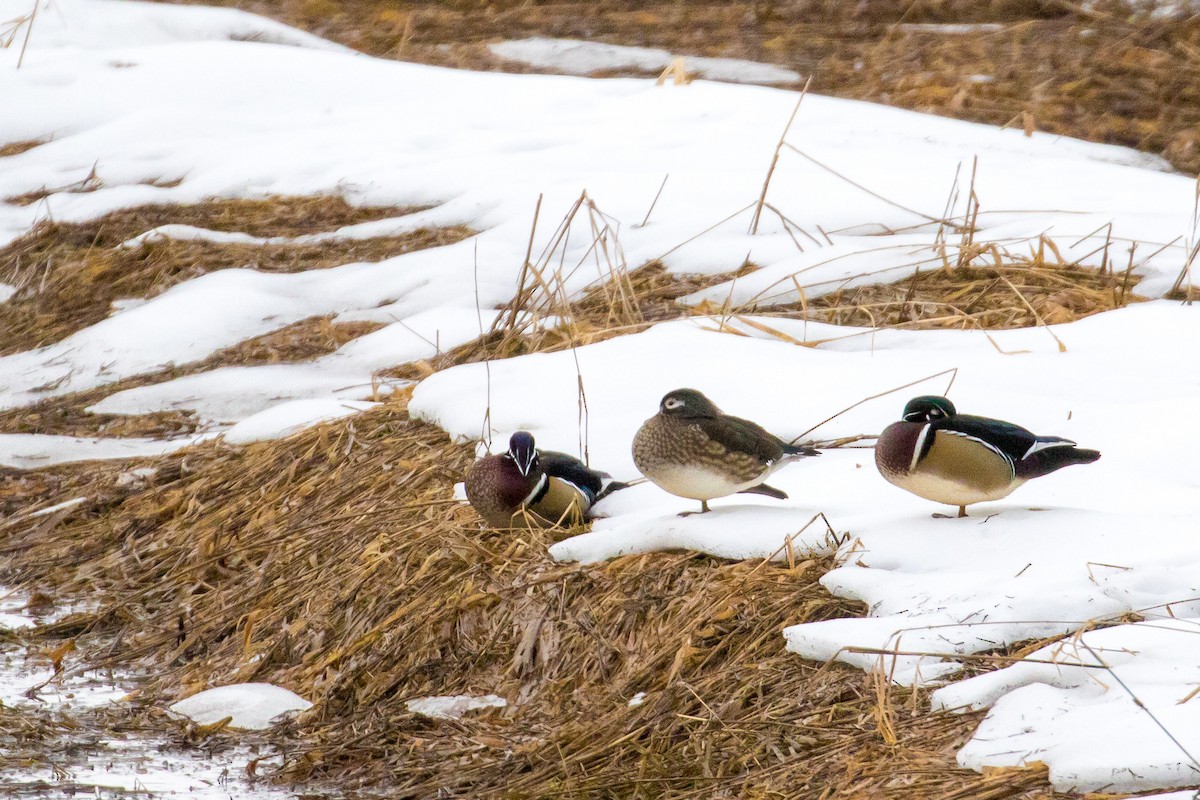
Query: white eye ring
[(674, 402)]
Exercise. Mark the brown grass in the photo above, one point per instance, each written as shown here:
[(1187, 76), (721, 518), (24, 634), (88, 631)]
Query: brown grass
[(335, 564), (68, 275), (989, 298), (16, 148)]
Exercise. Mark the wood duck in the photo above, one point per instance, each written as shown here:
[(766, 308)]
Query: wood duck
[(690, 448), (526, 488), (958, 459)]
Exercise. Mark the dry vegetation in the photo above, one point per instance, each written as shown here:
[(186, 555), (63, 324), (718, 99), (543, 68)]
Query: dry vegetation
[(335, 564), (68, 274)]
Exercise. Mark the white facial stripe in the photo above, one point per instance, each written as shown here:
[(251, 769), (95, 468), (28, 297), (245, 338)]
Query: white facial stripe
[(920, 446), (541, 483), (1045, 446)]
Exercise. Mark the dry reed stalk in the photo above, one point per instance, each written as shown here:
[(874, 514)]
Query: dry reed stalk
[(762, 197)]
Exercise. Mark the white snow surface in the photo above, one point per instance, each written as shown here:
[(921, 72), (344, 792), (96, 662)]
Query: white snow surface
[(576, 57), (124, 763), (453, 706), (33, 450), (249, 118), (291, 417), (141, 96), (1059, 711), (250, 706)]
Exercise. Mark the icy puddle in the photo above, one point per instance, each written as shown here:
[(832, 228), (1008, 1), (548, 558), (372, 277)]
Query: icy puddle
[(79, 735)]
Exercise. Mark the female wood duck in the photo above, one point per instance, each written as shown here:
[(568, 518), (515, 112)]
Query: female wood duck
[(690, 448), (525, 488), (959, 459)]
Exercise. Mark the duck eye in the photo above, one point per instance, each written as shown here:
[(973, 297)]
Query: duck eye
[(673, 403)]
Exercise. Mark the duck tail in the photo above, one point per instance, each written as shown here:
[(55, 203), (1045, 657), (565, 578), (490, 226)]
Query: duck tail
[(1054, 456), (609, 487)]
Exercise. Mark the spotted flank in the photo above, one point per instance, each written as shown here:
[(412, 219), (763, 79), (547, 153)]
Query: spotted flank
[(692, 449)]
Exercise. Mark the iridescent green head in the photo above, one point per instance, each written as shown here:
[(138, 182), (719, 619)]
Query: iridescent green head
[(928, 408)]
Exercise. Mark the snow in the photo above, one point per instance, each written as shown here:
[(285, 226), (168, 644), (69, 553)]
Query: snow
[(6, 291), (250, 706), (230, 105), (230, 394), (122, 762), (1061, 713), (288, 418), (237, 118), (453, 706), (107, 25), (34, 450), (575, 57)]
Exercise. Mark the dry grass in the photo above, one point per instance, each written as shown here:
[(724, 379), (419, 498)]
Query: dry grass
[(16, 148), (335, 564), (68, 275), (1010, 295)]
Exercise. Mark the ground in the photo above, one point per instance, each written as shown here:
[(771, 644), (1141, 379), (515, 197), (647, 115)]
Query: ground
[(192, 568)]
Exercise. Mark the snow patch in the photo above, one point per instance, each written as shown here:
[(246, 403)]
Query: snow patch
[(453, 706), (1063, 711), (288, 418), (251, 706), (35, 450), (575, 57)]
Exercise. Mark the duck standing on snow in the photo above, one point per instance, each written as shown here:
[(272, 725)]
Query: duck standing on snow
[(958, 459), (526, 488), (690, 448)]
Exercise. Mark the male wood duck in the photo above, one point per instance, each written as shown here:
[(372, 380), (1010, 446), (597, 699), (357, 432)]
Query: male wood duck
[(526, 487), (959, 459), (690, 448)]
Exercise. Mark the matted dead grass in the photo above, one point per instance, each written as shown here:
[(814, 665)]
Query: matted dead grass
[(16, 148), (68, 275), (976, 298), (336, 563)]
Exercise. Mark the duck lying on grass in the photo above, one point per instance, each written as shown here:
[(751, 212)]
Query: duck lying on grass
[(528, 488)]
